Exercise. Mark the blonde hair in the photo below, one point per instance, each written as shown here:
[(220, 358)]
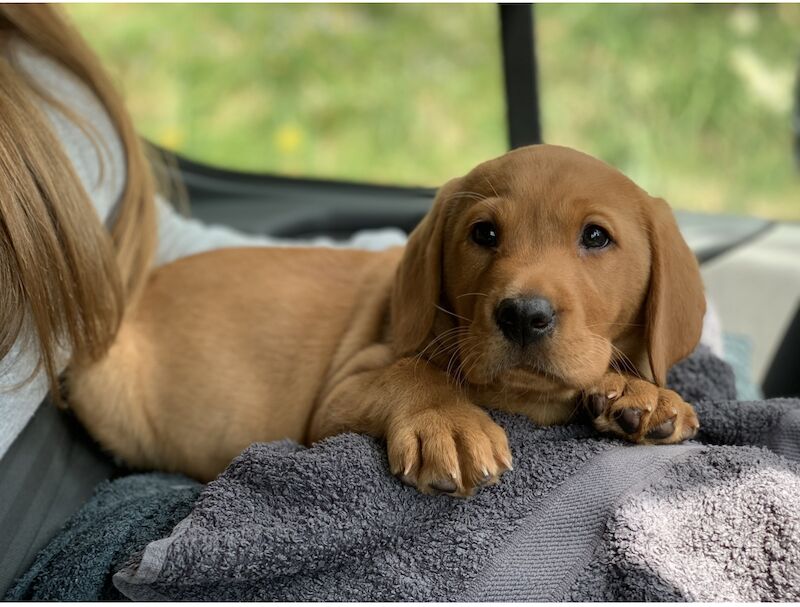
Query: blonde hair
[(59, 267)]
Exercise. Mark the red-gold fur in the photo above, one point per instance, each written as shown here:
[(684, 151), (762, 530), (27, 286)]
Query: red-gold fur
[(241, 345)]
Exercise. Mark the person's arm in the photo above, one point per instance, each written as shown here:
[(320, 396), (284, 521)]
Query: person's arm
[(179, 236)]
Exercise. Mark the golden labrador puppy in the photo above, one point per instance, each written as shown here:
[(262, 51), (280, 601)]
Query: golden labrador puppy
[(544, 282)]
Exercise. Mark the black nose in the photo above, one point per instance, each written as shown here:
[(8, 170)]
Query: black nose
[(524, 320)]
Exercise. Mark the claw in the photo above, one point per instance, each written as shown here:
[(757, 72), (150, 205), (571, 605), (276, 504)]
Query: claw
[(485, 478)]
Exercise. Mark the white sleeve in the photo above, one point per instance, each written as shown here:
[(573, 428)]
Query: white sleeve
[(179, 236)]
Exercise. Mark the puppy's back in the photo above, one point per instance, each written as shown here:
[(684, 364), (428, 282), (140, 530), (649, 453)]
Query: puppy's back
[(223, 349)]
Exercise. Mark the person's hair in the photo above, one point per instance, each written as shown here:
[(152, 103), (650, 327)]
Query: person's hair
[(61, 272)]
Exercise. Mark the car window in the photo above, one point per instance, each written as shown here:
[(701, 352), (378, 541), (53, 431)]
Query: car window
[(694, 102), (399, 94)]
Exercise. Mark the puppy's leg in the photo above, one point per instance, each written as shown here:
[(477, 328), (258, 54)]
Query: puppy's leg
[(639, 411), (437, 440)]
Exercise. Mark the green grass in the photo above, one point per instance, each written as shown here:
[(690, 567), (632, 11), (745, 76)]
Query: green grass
[(693, 102)]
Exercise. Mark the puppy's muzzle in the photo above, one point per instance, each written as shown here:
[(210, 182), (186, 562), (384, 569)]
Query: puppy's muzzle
[(525, 320)]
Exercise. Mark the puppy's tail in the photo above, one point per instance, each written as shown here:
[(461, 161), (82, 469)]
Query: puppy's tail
[(110, 397)]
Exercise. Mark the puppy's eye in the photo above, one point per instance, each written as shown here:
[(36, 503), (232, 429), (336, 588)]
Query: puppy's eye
[(595, 237), (484, 233)]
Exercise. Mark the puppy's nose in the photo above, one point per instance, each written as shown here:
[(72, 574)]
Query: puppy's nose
[(524, 320)]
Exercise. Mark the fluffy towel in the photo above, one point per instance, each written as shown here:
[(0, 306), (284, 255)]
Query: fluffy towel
[(120, 520), (580, 518)]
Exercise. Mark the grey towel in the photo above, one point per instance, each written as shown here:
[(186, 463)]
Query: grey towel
[(122, 517), (581, 517)]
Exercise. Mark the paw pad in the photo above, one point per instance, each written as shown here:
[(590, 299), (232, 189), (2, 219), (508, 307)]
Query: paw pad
[(597, 404), (639, 411), (629, 420), (663, 430)]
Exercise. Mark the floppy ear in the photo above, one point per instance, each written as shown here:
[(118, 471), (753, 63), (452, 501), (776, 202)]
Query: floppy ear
[(418, 282), (675, 303)]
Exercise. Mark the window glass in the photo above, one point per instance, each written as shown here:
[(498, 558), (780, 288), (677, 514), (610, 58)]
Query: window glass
[(406, 94), (694, 102)]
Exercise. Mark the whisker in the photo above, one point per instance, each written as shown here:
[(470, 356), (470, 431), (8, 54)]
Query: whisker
[(478, 360), (491, 186), (443, 337), (437, 339), (473, 195), (615, 324), (454, 340), (461, 372), (450, 372), (618, 356), (438, 307), (450, 364)]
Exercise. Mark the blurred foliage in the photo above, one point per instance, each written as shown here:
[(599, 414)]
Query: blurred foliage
[(692, 101), (359, 92)]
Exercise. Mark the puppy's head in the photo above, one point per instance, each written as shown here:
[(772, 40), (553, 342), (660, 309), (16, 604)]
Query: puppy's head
[(549, 265)]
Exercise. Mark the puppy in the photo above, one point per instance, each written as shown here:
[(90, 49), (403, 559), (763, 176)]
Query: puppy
[(543, 282)]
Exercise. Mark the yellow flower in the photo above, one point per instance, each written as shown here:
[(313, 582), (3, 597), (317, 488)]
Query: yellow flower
[(288, 138), (172, 137)]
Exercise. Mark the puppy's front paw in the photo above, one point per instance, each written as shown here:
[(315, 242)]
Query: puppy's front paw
[(448, 449), (639, 411)]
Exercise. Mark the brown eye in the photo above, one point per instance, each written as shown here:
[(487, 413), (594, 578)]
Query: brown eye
[(484, 233), (594, 237)]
